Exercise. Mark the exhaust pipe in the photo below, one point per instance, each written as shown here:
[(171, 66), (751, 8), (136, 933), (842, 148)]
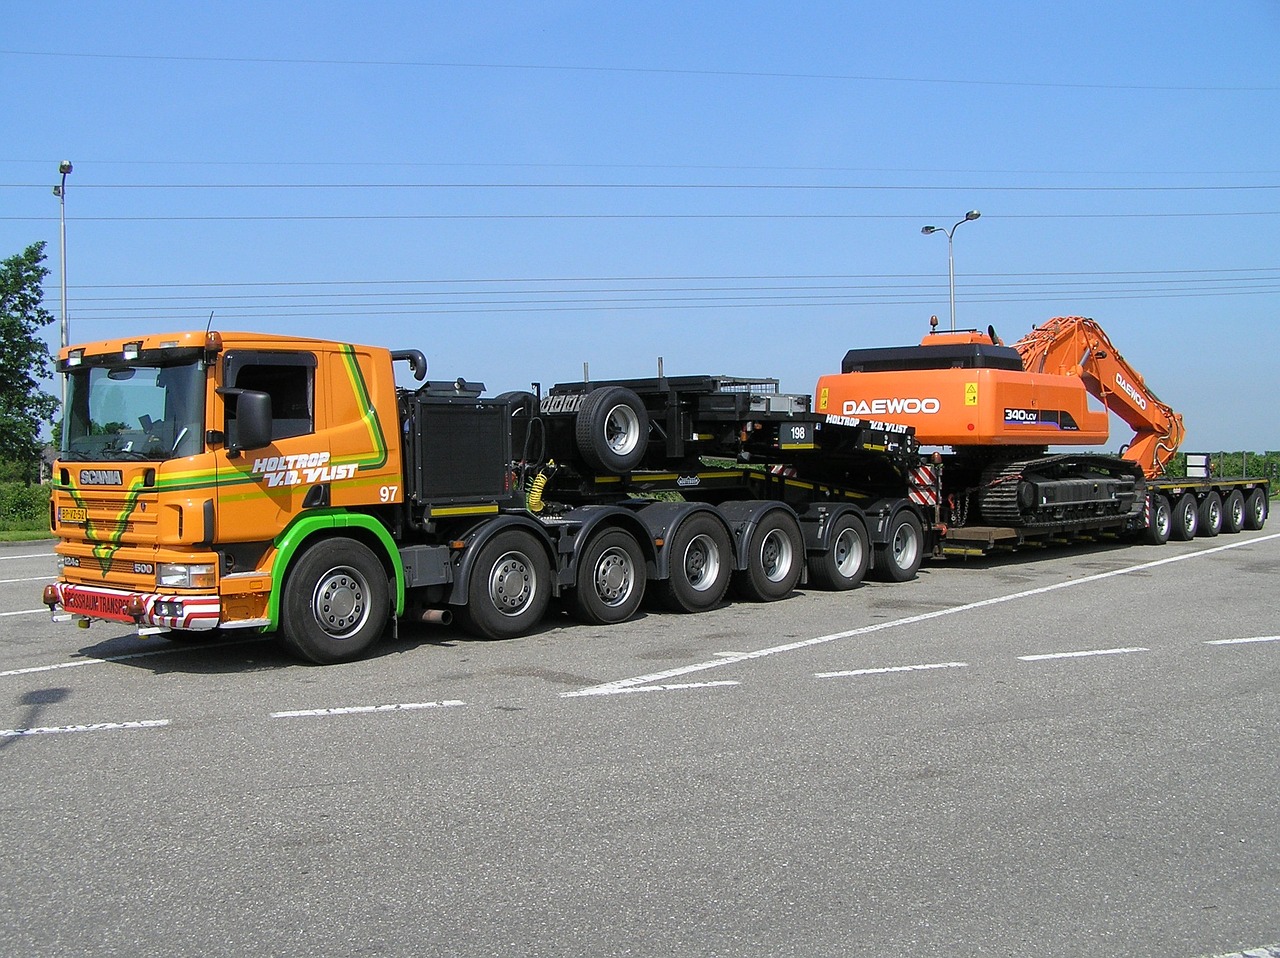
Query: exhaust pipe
[(436, 616)]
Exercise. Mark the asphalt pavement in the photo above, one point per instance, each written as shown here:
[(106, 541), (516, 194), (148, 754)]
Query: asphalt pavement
[(1070, 752)]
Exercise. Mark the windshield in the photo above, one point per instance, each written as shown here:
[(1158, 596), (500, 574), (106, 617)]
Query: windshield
[(134, 412)]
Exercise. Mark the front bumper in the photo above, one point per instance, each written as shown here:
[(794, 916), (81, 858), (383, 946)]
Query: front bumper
[(144, 609)]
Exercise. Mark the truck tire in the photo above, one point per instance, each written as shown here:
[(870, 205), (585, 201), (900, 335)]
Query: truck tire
[(1157, 534), (898, 560), (700, 565), (844, 564), (1255, 509), (1233, 512), (1186, 519), (509, 587), (611, 579), (774, 559), (1210, 516), (612, 429), (336, 603)]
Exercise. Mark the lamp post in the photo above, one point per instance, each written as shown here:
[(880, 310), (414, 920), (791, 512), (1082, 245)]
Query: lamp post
[(60, 191), (951, 262)]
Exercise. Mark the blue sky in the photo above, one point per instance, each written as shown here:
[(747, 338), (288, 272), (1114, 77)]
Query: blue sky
[(519, 188)]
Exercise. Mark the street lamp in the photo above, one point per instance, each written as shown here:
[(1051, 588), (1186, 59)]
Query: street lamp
[(951, 263), (60, 191)]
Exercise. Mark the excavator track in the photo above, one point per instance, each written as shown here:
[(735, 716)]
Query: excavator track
[(1049, 490)]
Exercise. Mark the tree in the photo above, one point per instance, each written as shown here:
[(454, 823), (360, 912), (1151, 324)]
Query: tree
[(24, 360)]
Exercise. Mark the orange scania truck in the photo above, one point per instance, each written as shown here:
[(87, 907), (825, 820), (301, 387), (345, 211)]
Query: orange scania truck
[(242, 481)]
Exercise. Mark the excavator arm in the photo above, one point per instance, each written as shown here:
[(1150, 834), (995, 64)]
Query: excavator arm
[(1077, 346)]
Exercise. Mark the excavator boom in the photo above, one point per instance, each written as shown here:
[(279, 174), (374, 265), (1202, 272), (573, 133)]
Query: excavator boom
[(1077, 346)]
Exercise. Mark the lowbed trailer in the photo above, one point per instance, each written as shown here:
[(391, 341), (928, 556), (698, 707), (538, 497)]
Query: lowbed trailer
[(243, 481), (1178, 508)]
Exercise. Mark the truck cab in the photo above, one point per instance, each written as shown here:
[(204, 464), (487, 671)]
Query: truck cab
[(188, 461)]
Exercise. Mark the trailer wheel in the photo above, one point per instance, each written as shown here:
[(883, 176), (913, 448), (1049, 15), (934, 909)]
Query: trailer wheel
[(1210, 515), (774, 558), (337, 599), (844, 564), (611, 579), (509, 587), (1186, 519), (700, 565), (1233, 512), (612, 429), (1157, 534), (1255, 509), (898, 560)]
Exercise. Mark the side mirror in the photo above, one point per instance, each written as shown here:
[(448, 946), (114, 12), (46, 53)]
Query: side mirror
[(252, 426)]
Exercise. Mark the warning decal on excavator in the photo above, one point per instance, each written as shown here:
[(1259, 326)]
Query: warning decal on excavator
[(971, 394)]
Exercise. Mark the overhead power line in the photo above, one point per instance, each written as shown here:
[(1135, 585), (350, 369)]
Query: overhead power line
[(649, 71), (739, 168), (788, 277), (783, 187), (389, 217), (470, 297), (188, 317), (932, 283)]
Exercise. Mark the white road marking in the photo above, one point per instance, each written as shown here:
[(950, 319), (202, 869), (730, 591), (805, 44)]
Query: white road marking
[(34, 555), (894, 668), (649, 688), (96, 727), (45, 610), (34, 578), (1079, 655), (361, 709), (1266, 951), (121, 658), (658, 677), (1256, 638)]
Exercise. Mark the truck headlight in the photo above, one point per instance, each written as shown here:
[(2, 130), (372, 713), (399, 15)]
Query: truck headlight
[(183, 575)]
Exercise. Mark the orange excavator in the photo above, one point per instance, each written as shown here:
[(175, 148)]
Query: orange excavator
[(1000, 408)]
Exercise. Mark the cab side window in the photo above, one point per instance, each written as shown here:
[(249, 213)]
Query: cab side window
[(288, 378)]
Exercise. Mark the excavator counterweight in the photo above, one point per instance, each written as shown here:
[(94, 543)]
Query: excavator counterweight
[(969, 391)]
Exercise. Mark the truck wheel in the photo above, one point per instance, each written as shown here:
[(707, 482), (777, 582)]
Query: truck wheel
[(1157, 534), (509, 587), (774, 558), (1186, 519), (1255, 509), (899, 559), (1210, 515), (337, 599), (844, 564), (700, 565), (611, 579), (1233, 512), (612, 429)]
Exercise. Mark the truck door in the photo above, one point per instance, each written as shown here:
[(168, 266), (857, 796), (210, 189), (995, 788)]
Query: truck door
[(261, 490)]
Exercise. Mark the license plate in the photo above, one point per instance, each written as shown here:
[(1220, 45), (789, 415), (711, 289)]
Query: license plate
[(96, 603), (66, 514), (796, 435)]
